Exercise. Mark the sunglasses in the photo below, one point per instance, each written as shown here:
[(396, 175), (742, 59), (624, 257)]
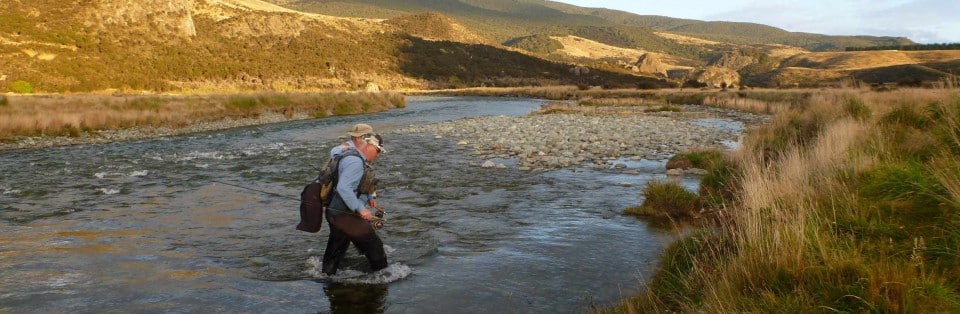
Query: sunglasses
[(375, 140)]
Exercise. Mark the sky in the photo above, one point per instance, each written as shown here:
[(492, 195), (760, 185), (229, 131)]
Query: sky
[(923, 21)]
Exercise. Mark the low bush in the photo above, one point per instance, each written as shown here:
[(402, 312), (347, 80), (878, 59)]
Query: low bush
[(346, 107), (667, 199), (855, 107), (720, 183), (21, 87), (4, 101)]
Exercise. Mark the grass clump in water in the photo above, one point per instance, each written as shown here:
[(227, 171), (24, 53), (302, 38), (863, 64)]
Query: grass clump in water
[(667, 200)]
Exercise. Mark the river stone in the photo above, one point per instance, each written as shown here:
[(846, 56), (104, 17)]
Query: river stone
[(488, 164), (675, 172)]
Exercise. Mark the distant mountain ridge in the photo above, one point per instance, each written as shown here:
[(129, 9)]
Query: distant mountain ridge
[(503, 20)]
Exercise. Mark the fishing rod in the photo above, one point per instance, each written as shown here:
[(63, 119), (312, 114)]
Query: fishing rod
[(378, 219)]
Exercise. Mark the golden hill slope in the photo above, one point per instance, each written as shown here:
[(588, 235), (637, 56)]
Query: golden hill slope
[(228, 45), (858, 60)]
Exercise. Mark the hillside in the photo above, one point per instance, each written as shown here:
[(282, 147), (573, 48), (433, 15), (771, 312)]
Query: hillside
[(229, 45), (237, 45), (758, 55)]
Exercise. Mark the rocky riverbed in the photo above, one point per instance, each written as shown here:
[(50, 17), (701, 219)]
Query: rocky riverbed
[(550, 141)]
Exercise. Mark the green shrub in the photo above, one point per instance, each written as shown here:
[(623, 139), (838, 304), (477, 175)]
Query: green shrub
[(720, 182), (346, 107), (4, 101), (902, 182), (905, 115), (21, 87), (666, 199), (857, 109), (706, 159)]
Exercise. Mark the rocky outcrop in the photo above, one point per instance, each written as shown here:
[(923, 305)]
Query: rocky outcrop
[(733, 61), (718, 77), (651, 63)]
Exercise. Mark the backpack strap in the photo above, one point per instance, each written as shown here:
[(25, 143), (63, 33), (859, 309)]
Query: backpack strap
[(335, 178)]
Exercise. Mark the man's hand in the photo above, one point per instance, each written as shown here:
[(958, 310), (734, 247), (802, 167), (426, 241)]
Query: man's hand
[(366, 214)]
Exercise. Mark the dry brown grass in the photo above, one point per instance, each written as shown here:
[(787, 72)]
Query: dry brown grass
[(854, 60), (804, 234), (72, 114)]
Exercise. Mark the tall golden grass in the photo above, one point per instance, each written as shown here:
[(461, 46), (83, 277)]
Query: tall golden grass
[(71, 115), (836, 211)]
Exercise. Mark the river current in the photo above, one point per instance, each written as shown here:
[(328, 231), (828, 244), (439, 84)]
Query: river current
[(205, 222)]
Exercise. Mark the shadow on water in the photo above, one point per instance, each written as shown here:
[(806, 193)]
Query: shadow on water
[(353, 298)]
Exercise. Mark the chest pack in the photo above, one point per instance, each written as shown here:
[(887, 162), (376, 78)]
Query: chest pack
[(317, 194)]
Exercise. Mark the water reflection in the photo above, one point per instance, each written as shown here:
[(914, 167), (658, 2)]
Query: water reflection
[(351, 298)]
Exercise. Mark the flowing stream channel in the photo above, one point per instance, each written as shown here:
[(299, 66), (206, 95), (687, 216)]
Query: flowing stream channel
[(158, 225)]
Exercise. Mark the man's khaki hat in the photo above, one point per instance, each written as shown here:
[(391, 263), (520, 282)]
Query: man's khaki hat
[(360, 129)]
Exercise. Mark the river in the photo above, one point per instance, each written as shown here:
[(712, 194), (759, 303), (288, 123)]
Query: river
[(158, 225)]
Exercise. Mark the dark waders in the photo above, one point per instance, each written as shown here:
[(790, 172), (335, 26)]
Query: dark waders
[(346, 228)]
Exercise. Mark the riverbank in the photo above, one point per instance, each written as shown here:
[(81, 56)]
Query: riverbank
[(846, 202), (58, 120)]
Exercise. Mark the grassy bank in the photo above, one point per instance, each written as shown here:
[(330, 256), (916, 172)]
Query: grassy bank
[(848, 202), (71, 115)]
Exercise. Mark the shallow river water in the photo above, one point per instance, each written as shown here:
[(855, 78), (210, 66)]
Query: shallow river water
[(162, 226)]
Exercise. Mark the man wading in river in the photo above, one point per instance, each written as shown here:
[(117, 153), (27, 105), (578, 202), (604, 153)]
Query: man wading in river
[(352, 203)]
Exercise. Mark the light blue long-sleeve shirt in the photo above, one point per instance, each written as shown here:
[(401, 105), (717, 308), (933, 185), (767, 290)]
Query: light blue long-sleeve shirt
[(351, 172)]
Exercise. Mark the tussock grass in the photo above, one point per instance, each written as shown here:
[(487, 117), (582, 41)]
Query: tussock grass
[(666, 200), (703, 159), (74, 115), (834, 211)]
